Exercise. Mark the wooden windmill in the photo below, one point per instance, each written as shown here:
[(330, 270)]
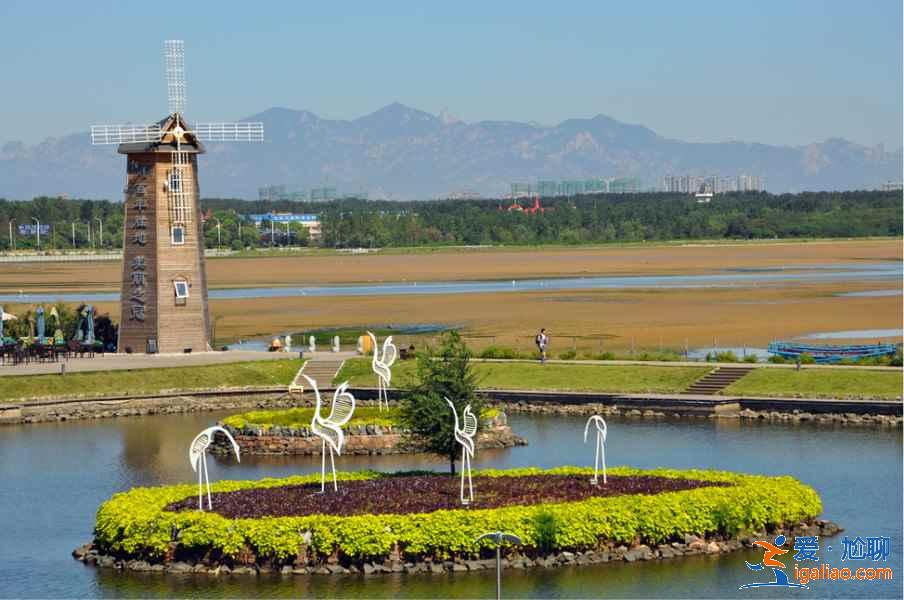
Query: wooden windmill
[(164, 285)]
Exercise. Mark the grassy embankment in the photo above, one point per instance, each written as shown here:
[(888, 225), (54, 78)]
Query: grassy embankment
[(149, 381), (530, 376), (820, 383), (807, 383)]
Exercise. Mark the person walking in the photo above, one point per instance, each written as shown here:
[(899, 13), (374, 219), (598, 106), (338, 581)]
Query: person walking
[(542, 341)]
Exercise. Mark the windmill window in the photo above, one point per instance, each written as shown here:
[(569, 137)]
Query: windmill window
[(178, 234), (175, 181), (181, 287)]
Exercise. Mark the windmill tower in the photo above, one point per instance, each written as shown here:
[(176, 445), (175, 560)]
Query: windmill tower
[(163, 296)]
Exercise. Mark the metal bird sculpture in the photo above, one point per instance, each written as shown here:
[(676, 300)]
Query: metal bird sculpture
[(197, 456), (465, 436), (329, 429), (600, 446), (382, 366)]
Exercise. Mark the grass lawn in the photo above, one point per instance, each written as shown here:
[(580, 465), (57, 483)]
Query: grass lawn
[(565, 377), (147, 381), (819, 383)]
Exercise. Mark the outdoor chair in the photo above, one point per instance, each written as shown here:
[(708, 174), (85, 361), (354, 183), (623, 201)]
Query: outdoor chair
[(7, 353)]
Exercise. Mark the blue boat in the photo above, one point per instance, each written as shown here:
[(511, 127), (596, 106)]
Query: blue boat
[(830, 354)]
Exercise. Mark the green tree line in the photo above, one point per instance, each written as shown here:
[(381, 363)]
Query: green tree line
[(576, 220)]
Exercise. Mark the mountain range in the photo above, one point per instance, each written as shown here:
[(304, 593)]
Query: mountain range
[(403, 153)]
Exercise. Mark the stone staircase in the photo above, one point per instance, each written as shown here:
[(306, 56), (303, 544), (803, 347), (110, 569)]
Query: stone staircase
[(321, 370), (717, 380)]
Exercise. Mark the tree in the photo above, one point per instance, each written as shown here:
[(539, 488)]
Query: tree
[(443, 372)]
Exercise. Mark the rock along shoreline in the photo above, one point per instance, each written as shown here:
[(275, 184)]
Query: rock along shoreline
[(773, 416), (359, 439), (247, 564)]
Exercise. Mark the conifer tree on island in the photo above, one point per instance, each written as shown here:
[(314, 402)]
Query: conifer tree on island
[(442, 372)]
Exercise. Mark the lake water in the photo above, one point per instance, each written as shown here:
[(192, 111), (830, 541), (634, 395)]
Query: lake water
[(732, 278), (853, 334), (54, 476)]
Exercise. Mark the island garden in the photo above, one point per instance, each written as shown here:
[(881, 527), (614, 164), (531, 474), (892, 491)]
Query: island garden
[(413, 521)]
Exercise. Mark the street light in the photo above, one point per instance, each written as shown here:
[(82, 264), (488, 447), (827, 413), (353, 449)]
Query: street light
[(12, 240), (218, 232), (498, 537), (99, 220), (37, 232)]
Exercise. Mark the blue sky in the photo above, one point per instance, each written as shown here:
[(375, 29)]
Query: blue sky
[(780, 72)]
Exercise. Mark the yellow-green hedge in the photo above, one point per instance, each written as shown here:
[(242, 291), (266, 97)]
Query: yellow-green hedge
[(135, 522)]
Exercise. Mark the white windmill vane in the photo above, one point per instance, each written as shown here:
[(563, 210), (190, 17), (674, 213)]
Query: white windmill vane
[(174, 57), (329, 429), (601, 429), (464, 435), (197, 456)]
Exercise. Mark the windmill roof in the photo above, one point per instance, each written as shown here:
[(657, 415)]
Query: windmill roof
[(167, 144)]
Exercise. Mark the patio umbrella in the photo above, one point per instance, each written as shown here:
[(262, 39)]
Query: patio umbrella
[(41, 324), (4, 316)]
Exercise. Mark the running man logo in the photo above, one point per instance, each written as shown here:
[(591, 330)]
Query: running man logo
[(770, 551)]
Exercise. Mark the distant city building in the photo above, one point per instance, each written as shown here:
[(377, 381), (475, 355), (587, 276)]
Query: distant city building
[(294, 193), (310, 222), (463, 195), (575, 187), (712, 184), (891, 186), (275, 193)]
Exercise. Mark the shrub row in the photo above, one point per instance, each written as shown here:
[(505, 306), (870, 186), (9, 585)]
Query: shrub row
[(135, 524)]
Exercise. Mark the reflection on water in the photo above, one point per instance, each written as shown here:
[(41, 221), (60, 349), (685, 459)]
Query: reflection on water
[(53, 476)]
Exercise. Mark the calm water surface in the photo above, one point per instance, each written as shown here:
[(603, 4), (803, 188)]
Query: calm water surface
[(53, 477)]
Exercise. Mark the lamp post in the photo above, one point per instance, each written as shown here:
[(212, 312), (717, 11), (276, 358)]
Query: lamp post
[(498, 537), (241, 241), (73, 235), (37, 231), (12, 240), (101, 232)]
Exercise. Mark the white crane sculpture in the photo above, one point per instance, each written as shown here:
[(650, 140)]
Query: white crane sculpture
[(382, 366), (600, 446), (465, 437), (329, 430), (197, 456)]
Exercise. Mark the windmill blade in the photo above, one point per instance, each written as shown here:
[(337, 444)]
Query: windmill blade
[(174, 55), (125, 134), (229, 132)]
